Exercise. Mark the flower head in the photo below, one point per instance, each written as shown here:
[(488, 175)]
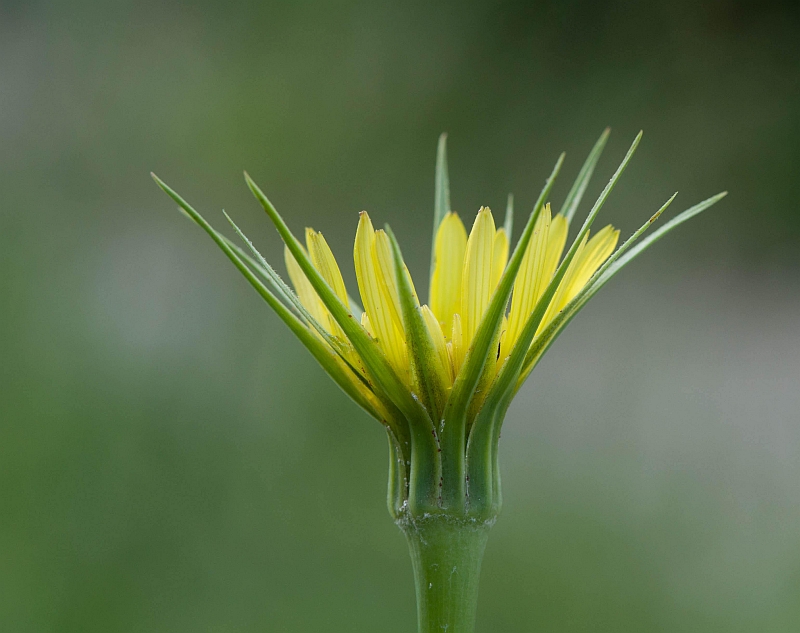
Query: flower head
[(441, 375)]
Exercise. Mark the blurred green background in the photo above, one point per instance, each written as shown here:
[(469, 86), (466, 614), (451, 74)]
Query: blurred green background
[(172, 460)]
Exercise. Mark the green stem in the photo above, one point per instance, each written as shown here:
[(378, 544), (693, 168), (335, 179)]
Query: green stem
[(446, 553)]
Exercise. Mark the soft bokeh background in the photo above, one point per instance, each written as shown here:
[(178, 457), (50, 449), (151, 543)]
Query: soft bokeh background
[(172, 460)]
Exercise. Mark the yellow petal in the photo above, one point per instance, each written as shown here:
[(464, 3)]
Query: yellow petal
[(366, 324), (311, 301), (588, 258), (500, 256), (305, 292), (384, 262), (597, 250), (324, 261), (378, 305), (557, 239), (439, 344), (530, 283), (455, 347), (476, 280), (449, 248)]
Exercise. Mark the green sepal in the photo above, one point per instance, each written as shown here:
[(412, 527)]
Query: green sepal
[(578, 188), (257, 262), (284, 289), (480, 444), (453, 429), (425, 475), (624, 255), (483, 484), (374, 359), (441, 200), (336, 343), (397, 491), (532, 324), (271, 276), (324, 355), (425, 364)]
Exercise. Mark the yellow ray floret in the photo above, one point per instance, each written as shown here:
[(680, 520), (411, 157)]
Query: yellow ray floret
[(450, 246), (556, 241), (378, 292), (325, 263), (306, 293), (499, 257), (588, 258), (311, 301), (531, 281), (476, 280), (385, 263), (466, 273), (455, 347), (439, 344)]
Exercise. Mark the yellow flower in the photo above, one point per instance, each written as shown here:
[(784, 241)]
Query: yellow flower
[(466, 273), (440, 376)]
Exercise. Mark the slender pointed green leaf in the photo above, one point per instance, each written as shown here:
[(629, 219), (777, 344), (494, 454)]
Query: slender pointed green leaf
[(602, 276), (323, 354), (373, 358), (441, 201), (624, 255), (508, 224), (425, 470), (268, 274), (453, 430), (522, 349), (544, 301), (482, 443), (284, 289), (575, 194), (425, 361), (264, 267), (483, 431), (657, 235), (271, 274)]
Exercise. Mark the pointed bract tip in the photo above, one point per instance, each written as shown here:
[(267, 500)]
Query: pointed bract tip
[(663, 208)]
